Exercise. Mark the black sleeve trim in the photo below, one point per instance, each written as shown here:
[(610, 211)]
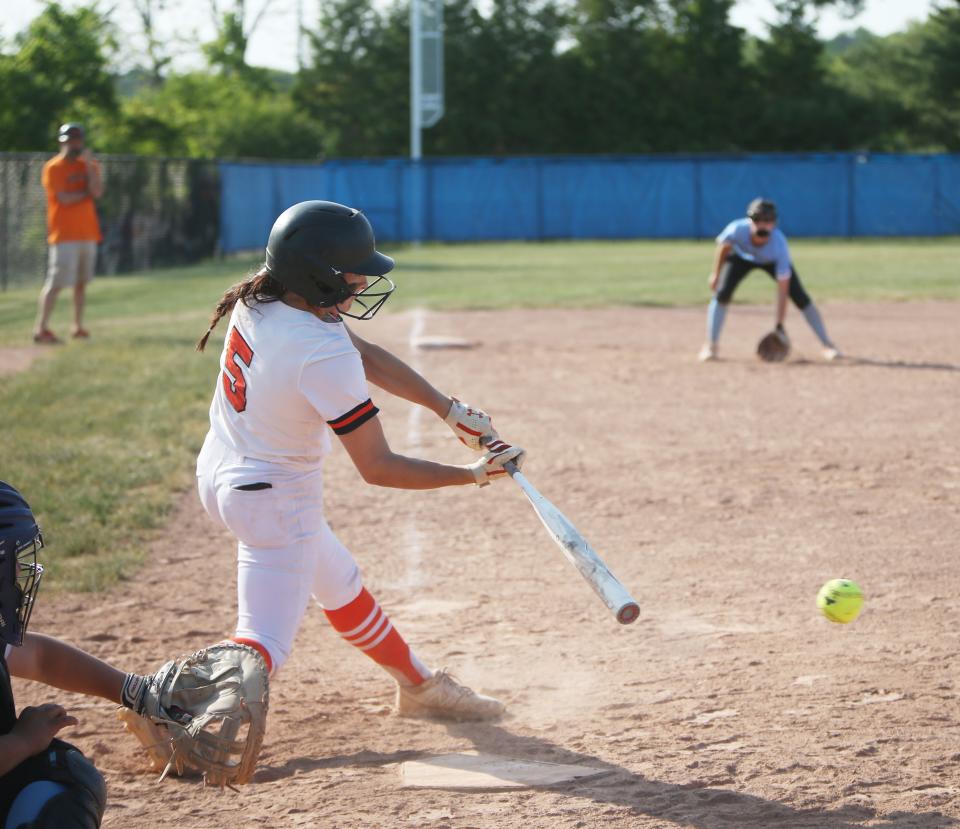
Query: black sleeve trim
[(353, 419)]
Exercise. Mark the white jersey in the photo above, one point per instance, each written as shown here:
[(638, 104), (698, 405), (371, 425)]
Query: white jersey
[(285, 377)]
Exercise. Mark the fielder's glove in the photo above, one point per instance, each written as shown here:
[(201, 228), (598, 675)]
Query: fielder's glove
[(206, 712), (472, 427), (490, 467), (775, 346)]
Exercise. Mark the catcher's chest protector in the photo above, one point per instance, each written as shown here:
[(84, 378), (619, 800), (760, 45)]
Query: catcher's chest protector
[(8, 711), (81, 804), (8, 716)]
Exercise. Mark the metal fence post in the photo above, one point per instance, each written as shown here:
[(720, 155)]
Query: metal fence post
[(4, 226), (851, 194), (698, 198)]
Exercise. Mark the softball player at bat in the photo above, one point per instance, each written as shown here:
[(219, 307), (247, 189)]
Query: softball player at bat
[(757, 242), (291, 372)]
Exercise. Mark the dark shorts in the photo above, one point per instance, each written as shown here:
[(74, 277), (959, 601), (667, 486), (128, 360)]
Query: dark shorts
[(736, 268)]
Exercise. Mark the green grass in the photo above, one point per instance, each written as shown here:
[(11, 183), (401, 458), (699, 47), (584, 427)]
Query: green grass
[(662, 273), (101, 435)]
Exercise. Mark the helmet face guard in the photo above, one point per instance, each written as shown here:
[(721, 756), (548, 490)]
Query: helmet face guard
[(371, 298), (20, 576)]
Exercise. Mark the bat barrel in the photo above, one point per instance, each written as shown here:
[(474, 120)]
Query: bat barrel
[(630, 612), (579, 552)]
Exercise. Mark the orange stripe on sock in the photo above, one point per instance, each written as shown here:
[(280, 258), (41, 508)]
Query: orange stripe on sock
[(364, 625)]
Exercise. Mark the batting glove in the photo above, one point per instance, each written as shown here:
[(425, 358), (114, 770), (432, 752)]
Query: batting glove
[(472, 427), (490, 466)]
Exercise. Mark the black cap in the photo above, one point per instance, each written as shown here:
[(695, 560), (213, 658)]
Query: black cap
[(68, 131), (762, 209), (314, 242)]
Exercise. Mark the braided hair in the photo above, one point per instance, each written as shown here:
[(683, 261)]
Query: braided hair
[(261, 287)]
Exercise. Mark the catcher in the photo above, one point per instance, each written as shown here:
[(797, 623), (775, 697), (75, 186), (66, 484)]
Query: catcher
[(47, 783), (757, 242)]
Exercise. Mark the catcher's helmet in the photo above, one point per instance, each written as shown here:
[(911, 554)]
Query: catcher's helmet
[(68, 131), (314, 243), (762, 209), (19, 572)]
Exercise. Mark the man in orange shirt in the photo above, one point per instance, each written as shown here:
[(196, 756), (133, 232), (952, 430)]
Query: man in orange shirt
[(72, 180)]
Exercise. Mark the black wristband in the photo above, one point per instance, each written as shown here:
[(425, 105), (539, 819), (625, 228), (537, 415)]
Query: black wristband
[(131, 695)]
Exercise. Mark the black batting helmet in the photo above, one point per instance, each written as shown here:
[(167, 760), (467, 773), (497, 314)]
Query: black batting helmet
[(762, 209), (70, 130), (19, 572), (314, 243)]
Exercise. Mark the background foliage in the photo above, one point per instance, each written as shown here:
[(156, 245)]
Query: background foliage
[(523, 76)]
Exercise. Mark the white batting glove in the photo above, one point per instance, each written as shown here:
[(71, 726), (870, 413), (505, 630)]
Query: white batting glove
[(490, 466), (472, 427)]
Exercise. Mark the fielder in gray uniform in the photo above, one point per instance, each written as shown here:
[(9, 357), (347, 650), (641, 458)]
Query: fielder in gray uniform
[(757, 242)]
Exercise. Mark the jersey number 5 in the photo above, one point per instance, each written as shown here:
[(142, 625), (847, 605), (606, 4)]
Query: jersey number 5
[(234, 383)]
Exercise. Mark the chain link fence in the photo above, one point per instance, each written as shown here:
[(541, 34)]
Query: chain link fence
[(155, 212)]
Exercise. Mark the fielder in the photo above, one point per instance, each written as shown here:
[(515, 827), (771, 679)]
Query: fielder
[(757, 242), (291, 371)]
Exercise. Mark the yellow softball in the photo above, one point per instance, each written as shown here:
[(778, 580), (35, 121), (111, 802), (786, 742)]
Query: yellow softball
[(840, 600)]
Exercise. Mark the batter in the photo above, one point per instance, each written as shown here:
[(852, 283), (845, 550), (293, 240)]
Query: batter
[(291, 372)]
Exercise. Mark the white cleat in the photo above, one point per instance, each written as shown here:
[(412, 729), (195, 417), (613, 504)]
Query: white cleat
[(708, 353), (442, 697), (831, 354)]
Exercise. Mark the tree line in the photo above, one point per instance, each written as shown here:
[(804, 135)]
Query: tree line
[(522, 77)]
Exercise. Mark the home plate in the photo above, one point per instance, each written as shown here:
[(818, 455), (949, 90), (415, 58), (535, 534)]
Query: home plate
[(435, 341), (487, 771)]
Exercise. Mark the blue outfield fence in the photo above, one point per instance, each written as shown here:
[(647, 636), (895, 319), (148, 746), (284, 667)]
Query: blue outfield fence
[(599, 197)]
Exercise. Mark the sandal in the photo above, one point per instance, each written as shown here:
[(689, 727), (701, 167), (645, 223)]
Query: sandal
[(46, 337), (81, 334)]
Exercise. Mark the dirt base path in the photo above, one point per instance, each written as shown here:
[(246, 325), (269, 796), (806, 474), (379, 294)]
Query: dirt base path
[(17, 358), (722, 494)]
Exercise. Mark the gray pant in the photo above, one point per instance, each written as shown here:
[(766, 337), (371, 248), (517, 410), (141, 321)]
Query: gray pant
[(71, 263)]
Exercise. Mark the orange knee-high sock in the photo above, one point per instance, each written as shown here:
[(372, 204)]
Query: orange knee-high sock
[(364, 625)]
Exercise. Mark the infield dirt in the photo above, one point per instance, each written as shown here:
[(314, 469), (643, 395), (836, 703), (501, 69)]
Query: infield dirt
[(723, 495)]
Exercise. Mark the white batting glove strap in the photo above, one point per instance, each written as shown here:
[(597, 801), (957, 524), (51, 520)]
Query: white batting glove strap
[(490, 466), (473, 427)]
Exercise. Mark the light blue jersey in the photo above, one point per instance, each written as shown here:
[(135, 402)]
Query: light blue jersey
[(775, 251)]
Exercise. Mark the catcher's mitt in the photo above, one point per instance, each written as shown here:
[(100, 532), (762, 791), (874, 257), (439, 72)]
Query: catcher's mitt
[(775, 346), (206, 712)]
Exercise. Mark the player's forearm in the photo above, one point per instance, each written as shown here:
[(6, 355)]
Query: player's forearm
[(401, 472), (94, 180), (72, 197), (783, 290), (720, 256), (13, 751), (56, 663), (393, 375)]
